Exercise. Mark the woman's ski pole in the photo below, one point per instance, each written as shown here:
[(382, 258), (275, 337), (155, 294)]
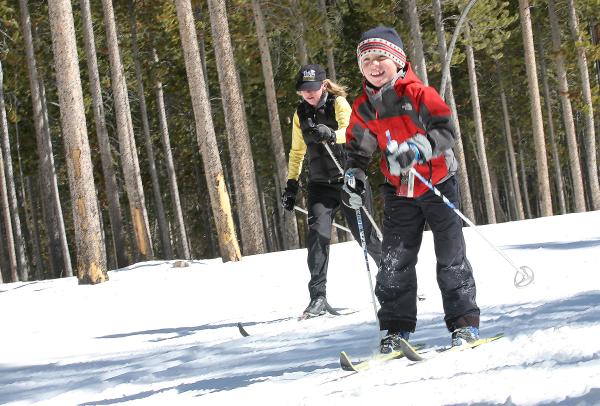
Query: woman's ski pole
[(371, 219), (301, 210)]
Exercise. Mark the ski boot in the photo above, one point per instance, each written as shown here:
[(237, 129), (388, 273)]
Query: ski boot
[(463, 335), (316, 307), (391, 342)]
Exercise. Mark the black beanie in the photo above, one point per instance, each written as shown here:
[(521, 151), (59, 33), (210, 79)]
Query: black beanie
[(381, 41)]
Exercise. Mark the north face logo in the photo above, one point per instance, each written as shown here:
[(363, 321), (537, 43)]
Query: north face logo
[(407, 106), (309, 75)]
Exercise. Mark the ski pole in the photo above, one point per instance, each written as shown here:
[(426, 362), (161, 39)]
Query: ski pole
[(301, 210), (377, 231), (363, 243), (524, 275)]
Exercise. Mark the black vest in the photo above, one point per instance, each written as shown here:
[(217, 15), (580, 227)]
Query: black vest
[(321, 167)]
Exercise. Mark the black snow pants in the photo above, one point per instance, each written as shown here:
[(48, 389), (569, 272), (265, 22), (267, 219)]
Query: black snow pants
[(396, 287), (324, 199)]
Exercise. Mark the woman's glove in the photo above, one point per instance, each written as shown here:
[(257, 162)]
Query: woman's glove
[(322, 133), (288, 197)]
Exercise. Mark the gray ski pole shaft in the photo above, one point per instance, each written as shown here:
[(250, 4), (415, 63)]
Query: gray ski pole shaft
[(301, 210), (524, 274), (371, 219), (363, 243)]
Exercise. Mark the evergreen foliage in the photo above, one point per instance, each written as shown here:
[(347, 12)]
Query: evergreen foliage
[(495, 36)]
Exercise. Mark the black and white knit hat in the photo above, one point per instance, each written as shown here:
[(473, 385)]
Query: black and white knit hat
[(381, 41)]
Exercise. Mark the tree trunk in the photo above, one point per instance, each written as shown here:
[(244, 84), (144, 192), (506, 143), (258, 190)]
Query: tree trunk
[(8, 180), (501, 216), (288, 220), (560, 189), (415, 34), (207, 217), (58, 248), (276, 235), (91, 255), (205, 132), (3, 263), (110, 182), (22, 195), (537, 124), (4, 200), (53, 213), (508, 193), (27, 203), (511, 156), (20, 190), (328, 40), (510, 190), (183, 247), (483, 164), (267, 230), (59, 232), (567, 111), (277, 186), (463, 176), (202, 45), (588, 111), (33, 204), (242, 164), (524, 175), (127, 147), (594, 34), (300, 30), (167, 249)]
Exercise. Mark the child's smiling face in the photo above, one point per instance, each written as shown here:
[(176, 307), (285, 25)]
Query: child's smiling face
[(378, 69)]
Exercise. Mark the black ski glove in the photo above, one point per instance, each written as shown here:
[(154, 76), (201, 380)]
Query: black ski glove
[(353, 191), (322, 133), (288, 198), (401, 157)]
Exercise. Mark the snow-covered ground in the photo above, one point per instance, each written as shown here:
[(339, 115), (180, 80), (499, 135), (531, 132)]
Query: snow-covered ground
[(155, 334)]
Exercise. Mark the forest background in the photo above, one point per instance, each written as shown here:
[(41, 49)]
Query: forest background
[(137, 130)]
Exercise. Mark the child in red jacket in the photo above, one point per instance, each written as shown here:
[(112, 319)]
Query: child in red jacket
[(410, 123)]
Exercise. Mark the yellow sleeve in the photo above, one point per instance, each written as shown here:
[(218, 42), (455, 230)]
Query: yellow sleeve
[(342, 116), (297, 151)]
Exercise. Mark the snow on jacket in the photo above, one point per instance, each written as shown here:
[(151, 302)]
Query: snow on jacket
[(334, 112), (405, 107)]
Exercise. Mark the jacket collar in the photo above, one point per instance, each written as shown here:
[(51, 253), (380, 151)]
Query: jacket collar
[(321, 102)]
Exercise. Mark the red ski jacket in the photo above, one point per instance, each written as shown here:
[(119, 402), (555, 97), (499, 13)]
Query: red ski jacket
[(405, 106)]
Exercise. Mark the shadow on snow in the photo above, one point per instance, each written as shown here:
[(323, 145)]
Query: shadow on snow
[(241, 363), (556, 245)]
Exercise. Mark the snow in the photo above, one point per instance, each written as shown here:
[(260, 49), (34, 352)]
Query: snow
[(156, 334)]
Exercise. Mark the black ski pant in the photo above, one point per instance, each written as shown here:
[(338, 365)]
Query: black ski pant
[(324, 199), (396, 287)]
